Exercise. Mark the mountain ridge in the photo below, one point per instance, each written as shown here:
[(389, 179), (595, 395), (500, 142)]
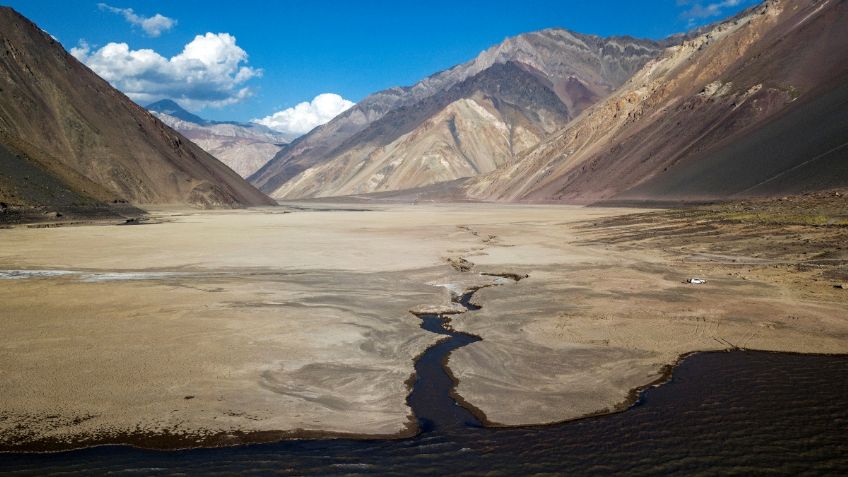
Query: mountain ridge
[(471, 128)]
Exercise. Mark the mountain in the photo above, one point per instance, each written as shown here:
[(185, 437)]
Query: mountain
[(171, 108), (68, 139), (471, 128), (433, 131), (757, 105), (244, 147)]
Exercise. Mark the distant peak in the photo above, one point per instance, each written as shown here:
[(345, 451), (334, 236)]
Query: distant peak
[(165, 103), (171, 108)]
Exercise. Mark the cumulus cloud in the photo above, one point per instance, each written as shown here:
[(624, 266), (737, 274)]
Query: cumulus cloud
[(209, 72), (153, 26), (696, 10), (307, 115)]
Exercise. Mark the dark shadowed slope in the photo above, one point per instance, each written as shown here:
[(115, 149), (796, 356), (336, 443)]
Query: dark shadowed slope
[(754, 106), (804, 149), (84, 143), (578, 69)]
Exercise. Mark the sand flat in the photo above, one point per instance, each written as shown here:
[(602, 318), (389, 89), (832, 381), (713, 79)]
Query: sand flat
[(257, 321)]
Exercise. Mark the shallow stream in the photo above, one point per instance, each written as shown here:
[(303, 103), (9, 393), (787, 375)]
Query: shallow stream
[(721, 413)]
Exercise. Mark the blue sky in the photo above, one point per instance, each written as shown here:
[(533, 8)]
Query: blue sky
[(296, 50)]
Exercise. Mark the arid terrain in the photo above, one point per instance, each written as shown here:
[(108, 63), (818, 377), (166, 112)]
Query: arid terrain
[(549, 252), (218, 327)]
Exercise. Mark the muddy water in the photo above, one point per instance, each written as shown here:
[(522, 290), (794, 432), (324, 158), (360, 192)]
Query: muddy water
[(739, 412)]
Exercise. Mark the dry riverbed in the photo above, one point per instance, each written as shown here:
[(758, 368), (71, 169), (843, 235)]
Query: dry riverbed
[(222, 327)]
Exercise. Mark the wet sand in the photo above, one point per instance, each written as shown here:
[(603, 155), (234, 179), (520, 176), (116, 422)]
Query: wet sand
[(219, 327)]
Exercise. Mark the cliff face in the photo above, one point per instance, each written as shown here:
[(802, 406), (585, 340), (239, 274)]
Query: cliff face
[(575, 70), (84, 143), (756, 105)]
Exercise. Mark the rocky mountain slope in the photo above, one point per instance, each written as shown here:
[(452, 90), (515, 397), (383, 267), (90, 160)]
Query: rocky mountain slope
[(68, 139), (470, 129), (350, 151), (757, 105), (244, 147)]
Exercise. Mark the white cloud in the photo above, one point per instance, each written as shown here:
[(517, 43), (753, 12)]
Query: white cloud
[(210, 71), (307, 115), (153, 26), (699, 10)]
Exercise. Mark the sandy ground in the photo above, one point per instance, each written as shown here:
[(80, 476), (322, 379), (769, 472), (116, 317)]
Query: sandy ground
[(220, 327)]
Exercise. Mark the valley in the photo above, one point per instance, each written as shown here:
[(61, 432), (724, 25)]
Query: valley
[(298, 321), (552, 252)]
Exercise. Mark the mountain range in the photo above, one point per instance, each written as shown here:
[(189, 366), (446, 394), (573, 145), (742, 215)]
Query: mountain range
[(70, 141), (463, 121), (754, 105), (244, 147)]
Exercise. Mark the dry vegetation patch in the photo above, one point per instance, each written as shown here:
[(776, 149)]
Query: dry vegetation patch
[(802, 239)]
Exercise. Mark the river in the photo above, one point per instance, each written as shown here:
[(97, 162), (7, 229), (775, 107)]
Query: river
[(721, 413)]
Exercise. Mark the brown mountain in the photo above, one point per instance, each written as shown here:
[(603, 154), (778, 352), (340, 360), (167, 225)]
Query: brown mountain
[(470, 129), (447, 125), (757, 105), (70, 140)]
